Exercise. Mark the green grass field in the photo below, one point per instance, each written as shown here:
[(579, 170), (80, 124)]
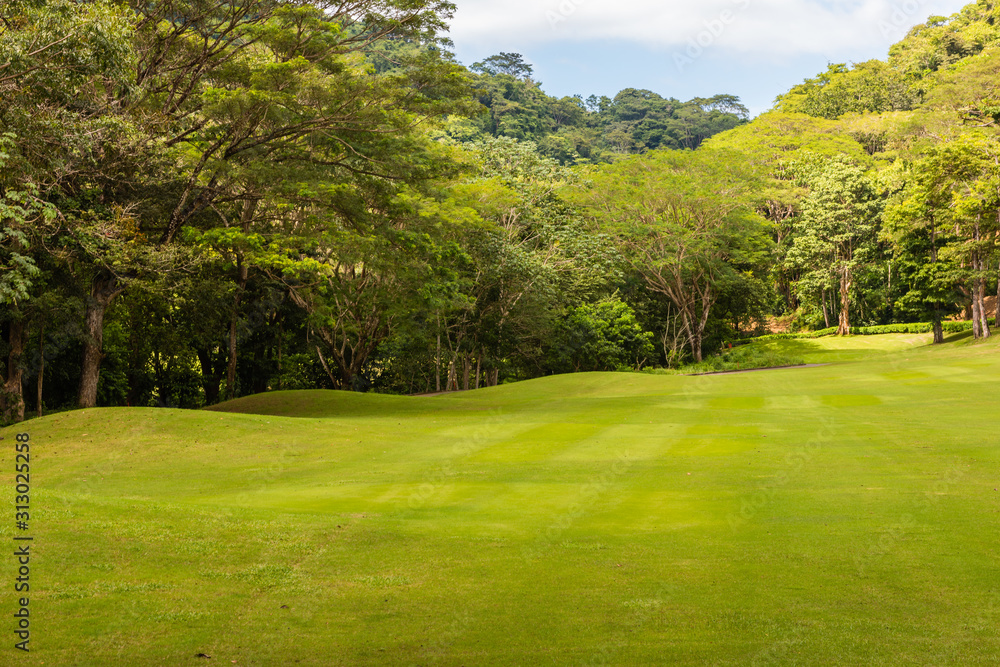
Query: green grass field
[(840, 515)]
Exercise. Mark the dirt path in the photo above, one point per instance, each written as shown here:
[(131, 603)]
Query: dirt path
[(754, 370)]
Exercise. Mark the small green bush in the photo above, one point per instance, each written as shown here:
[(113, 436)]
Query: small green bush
[(743, 358), (600, 336)]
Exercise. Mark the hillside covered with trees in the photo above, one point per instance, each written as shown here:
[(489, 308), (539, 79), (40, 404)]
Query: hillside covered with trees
[(572, 130), (284, 195)]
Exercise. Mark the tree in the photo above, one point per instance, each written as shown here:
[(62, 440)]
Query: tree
[(238, 100), (779, 146), (683, 219), (356, 256), (919, 224), (575, 131), (837, 233), (602, 336), (970, 166), (871, 86), (643, 120), (530, 258), (511, 64), (312, 102), (942, 41), (67, 77), (23, 222)]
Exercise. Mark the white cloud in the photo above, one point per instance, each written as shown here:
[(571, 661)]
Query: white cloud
[(764, 28)]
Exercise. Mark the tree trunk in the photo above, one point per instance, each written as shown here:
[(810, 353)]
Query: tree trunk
[(13, 408), (231, 357), (844, 326), (479, 361), (327, 368), (452, 375), (888, 297), (996, 321), (696, 347), (347, 379), (976, 331), (241, 281), (41, 366), (938, 331), (210, 379), (984, 324), (437, 358), (826, 313), (697, 331), (466, 371), (92, 353), (980, 326), (281, 336), (102, 292), (242, 275)]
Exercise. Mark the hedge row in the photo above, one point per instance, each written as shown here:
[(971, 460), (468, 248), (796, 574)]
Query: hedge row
[(913, 328)]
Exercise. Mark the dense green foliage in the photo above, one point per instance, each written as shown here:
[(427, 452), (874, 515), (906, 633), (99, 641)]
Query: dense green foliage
[(920, 130), (599, 129), (902, 82)]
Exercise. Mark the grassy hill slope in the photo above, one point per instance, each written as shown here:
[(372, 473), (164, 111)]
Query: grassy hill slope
[(837, 515)]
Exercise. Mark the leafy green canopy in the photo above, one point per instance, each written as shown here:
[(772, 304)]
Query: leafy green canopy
[(910, 74), (837, 234), (919, 222), (686, 223), (23, 217), (573, 130), (602, 336)]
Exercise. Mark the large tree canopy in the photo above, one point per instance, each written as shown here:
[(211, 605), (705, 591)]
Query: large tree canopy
[(686, 223)]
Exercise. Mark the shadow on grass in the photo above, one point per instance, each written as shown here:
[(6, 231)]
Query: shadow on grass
[(325, 403)]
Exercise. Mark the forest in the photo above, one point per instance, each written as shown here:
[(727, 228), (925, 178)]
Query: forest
[(207, 199)]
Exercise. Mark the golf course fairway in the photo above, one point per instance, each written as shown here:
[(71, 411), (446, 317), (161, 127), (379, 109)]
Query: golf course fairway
[(837, 515)]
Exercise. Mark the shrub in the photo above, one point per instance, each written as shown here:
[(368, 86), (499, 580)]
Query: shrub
[(601, 336), (743, 358)]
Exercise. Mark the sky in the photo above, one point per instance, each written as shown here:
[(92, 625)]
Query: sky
[(755, 49)]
